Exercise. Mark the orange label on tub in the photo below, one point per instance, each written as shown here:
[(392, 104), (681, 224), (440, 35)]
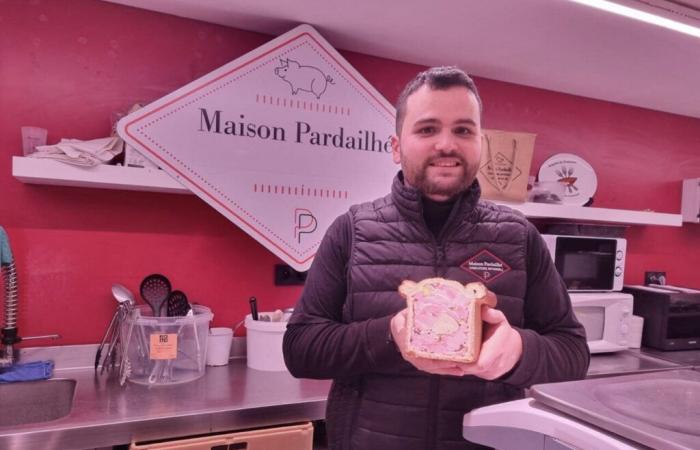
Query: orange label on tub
[(163, 346)]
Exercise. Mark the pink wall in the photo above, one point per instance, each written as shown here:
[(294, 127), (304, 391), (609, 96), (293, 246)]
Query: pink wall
[(67, 66)]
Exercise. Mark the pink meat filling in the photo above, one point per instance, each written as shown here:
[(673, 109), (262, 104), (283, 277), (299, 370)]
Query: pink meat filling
[(429, 311)]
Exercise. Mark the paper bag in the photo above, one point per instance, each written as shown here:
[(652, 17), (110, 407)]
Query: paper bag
[(505, 164)]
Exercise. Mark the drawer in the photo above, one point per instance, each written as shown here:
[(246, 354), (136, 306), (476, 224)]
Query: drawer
[(289, 437)]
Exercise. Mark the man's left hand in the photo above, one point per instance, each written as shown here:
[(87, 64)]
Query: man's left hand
[(501, 348)]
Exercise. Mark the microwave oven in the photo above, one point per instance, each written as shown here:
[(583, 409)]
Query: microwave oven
[(606, 317), (671, 316), (588, 263)]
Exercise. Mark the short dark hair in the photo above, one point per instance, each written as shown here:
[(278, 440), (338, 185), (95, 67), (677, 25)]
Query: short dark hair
[(436, 78)]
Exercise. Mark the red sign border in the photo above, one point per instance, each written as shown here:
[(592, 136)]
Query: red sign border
[(187, 94)]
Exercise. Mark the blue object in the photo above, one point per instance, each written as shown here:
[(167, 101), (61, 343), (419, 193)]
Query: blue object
[(5, 252), (37, 370)]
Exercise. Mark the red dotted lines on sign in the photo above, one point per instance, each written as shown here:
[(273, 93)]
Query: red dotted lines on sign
[(302, 191), (311, 105), (284, 102), (352, 85), (220, 86), (221, 194), (143, 127), (306, 252)]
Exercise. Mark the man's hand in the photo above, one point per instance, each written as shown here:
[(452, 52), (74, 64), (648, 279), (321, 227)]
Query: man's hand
[(435, 366), (501, 348)]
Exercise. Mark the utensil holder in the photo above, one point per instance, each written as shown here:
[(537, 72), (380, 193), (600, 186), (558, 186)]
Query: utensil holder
[(165, 350), (264, 344)]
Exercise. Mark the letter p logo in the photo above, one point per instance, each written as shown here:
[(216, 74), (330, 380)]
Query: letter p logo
[(304, 223)]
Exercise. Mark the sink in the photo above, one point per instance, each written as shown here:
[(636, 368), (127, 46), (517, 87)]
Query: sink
[(657, 409), (670, 404), (29, 402)]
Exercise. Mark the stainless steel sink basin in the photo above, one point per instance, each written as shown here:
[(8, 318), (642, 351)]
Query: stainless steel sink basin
[(656, 409), (670, 404), (28, 402)]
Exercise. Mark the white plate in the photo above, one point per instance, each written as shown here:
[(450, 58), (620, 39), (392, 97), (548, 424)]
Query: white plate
[(575, 173)]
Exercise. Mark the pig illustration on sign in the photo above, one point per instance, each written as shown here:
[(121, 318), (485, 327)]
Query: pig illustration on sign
[(303, 78)]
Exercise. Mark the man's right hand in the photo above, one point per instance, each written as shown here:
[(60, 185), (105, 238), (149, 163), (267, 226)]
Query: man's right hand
[(434, 366)]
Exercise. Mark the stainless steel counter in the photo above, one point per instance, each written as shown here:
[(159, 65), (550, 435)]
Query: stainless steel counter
[(684, 357), (628, 361), (226, 398)]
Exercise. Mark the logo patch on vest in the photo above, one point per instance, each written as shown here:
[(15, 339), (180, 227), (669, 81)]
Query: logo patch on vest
[(486, 266)]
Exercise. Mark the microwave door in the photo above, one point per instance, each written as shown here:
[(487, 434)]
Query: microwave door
[(605, 317), (586, 264)]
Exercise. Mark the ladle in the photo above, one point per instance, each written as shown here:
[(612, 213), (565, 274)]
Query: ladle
[(123, 295)]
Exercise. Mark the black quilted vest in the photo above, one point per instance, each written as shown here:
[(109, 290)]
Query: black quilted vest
[(412, 410)]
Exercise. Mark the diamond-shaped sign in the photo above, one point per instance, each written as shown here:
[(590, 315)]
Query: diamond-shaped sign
[(485, 266), (280, 141)]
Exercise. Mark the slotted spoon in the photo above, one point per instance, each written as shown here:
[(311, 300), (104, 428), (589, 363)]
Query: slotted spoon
[(178, 304), (155, 290)]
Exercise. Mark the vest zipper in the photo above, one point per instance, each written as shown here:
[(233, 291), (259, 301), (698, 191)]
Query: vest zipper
[(440, 260), (433, 409), (440, 240), (439, 251)]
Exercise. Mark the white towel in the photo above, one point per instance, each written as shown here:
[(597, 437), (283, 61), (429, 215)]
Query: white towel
[(81, 153)]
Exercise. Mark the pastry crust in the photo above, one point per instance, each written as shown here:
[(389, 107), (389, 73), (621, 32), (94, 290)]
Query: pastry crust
[(444, 318)]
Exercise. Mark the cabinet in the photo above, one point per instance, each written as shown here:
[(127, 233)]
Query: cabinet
[(42, 171)]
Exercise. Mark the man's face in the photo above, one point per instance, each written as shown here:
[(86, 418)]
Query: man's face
[(439, 148)]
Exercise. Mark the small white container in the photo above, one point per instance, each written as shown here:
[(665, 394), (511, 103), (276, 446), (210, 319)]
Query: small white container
[(264, 344), (219, 346), (165, 350), (636, 330)]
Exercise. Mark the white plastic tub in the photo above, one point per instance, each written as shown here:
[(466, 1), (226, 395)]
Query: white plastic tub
[(166, 350), (264, 344)]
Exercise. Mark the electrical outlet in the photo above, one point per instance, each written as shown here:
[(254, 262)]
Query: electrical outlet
[(654, 278), (286, 276)]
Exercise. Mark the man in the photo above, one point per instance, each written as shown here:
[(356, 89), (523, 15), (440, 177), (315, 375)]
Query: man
[(349, 323)]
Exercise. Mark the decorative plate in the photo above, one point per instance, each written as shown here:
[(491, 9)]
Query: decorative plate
[(577, 176)]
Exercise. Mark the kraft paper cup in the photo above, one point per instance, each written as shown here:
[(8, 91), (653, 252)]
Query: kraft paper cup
[(219, 346)]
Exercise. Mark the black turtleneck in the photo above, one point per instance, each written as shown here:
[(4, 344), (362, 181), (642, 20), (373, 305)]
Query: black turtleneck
[(436, 213)]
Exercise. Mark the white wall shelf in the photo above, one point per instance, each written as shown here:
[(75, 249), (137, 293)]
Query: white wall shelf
[(42, 171), (46, 171), (587, 214)]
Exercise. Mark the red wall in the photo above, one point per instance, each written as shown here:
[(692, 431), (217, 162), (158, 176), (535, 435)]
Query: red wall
[(68, 66)]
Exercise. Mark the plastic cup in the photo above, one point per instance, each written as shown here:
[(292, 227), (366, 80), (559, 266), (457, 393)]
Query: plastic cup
[(636, 331), (219, 346), (31, 138)]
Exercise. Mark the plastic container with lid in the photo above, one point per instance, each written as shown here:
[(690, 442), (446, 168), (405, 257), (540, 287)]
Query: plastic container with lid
[(264, 343), (165, 350)]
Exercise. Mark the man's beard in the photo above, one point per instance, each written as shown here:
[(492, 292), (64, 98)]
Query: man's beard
[(418, 178)]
